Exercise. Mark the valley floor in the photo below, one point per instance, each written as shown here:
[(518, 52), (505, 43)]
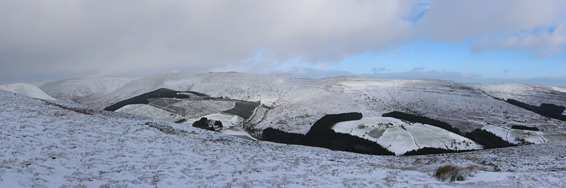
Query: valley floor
[(56, 144)]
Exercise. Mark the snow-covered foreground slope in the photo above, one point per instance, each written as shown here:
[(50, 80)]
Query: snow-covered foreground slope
[(27, 90), (58, 144)]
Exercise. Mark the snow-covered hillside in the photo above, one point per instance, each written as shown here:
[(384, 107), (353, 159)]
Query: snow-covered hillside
[(297, 103), (294, 105), (27, 90), (534, 94), (59, 144), (83, 89)]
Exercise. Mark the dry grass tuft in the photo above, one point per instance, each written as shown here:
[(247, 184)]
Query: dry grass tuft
[(78, 110), (166, 129), (454, 173)]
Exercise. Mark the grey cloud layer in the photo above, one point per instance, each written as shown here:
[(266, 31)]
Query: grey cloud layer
[(117, 36), (50, 38)]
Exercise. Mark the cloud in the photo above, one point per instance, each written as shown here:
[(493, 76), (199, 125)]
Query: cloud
[(422, 73), (544, 80), (58, 38), (116, 37), (418, 69), (507, 24), (466, 77), (544, 43), (261, 65), (379, 69), (306, 72)]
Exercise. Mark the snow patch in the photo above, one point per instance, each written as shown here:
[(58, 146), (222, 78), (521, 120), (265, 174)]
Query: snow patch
[(400, 137), (232, 124), (150, 111), (520, 136)]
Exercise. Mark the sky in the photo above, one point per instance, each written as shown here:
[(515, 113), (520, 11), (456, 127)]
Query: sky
[(480, 41)]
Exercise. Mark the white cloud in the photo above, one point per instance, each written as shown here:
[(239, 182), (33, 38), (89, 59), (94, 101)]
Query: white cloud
[(508, 24), (306, 72), (422, 73), (466, 77), (544, 43)]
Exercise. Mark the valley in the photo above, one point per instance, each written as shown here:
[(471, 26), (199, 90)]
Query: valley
[(396, 117)]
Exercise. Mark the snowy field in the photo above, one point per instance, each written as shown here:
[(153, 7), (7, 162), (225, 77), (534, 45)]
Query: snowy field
[(400, 137), (59, 144)]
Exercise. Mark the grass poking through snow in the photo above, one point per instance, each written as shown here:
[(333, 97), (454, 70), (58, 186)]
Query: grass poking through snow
[(454, 173)]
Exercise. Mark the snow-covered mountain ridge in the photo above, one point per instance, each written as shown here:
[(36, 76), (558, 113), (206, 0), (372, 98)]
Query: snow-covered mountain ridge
[(84, 89), (295, 105), (60, 144), (26, 89), (371, 96)]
